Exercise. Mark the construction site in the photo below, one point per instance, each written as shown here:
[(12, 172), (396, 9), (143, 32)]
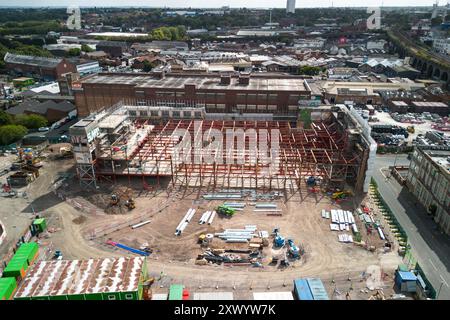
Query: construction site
[(301, 204)]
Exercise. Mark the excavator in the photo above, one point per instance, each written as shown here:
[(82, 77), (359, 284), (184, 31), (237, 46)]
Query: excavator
[(130, 204)]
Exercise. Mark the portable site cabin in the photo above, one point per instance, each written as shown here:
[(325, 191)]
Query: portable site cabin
[(40, 225), (406, 281), (93, 279), (176, 292), (29, 250), (7, 288), (301, 290), (317, 289)]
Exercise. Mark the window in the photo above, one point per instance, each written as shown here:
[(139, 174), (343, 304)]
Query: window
[(201, 96), (187, 114), (292, 108), (272, 107), (211, 96), (143, 113), (129, 296), (293, 98), (262, 97), (220, 106), (165, 94), (176, 114), (240, 106), (132, 113), (251, 107), (165, 113), (251, 96), (154, 113), (111, 297), (198, 114), (141, 103), (180, 95), (240, 97)]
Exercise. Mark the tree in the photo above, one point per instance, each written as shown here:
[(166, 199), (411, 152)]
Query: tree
[(11, 133), (5, 118), (309, 70), (31, 121), (74, 52), (148, 66), (86, 48)]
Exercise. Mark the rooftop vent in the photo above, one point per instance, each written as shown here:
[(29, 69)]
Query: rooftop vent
[(244, 78), (225, 79)]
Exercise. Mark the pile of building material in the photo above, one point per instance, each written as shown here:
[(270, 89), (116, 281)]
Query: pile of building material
[(207, 217), (345, 238), (341, 220), (235, 205), (237, 235), (269, 208), (234, 257), (184, 222)]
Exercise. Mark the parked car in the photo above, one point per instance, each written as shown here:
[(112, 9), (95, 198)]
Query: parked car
[(43, 129)]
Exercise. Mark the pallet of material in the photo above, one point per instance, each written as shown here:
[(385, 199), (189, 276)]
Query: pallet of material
[(334, 227), (255, 245), (267, 210)]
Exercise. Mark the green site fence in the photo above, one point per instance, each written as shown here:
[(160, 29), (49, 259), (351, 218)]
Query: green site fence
[(431, 290), (408, 257), (383, 205)]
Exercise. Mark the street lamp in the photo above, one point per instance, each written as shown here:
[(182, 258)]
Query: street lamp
[(439, 291)]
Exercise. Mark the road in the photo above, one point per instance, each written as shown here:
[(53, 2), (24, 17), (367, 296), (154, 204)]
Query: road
[(429, 246)]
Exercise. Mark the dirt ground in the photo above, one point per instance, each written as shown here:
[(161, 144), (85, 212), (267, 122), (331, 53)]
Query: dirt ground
[(78, 223)]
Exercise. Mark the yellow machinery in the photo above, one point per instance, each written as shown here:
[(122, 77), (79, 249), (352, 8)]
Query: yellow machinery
[(411, 129)]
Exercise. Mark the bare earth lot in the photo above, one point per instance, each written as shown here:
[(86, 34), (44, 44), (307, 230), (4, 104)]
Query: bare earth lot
[(78, 226)]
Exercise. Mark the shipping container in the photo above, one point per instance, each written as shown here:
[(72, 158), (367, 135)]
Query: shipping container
[(176, 292), (301, 289), (7, 288), (317, 289)]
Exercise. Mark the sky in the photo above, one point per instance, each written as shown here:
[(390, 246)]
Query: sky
[(219, 3)]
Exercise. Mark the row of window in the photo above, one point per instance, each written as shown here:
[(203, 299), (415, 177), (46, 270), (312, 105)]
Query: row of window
[(166, 113), (240, 97)]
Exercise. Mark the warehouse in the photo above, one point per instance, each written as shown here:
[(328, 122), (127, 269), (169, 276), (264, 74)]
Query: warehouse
[(93, 279), (243, 93), (40, 67)]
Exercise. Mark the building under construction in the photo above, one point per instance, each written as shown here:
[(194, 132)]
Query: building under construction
[(332, 144)]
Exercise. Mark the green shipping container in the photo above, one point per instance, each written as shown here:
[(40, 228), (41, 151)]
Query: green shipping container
[(7, 288), (41, 224), (176, 292), (16, 269), (29, 249)]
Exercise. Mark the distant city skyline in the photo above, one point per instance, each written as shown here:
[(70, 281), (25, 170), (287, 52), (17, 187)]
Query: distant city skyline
[(217, 4)]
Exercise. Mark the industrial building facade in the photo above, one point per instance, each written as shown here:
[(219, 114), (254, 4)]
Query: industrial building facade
[(278, 95), (429, 180)]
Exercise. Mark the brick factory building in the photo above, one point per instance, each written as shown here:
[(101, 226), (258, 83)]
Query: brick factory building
[(244, 93), (38, 67)]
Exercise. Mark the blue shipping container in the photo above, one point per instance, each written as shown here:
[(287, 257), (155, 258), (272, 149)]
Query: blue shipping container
[(302, 291), (317, 289)]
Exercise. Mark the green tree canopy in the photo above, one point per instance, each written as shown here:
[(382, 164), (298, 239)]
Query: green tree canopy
[(11, 133), (5, 118), (74, 52), (86, 48), (31, 121)]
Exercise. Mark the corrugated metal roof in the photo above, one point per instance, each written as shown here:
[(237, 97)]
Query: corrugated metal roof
[(32, 60), (317, 289), (49, 278)]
